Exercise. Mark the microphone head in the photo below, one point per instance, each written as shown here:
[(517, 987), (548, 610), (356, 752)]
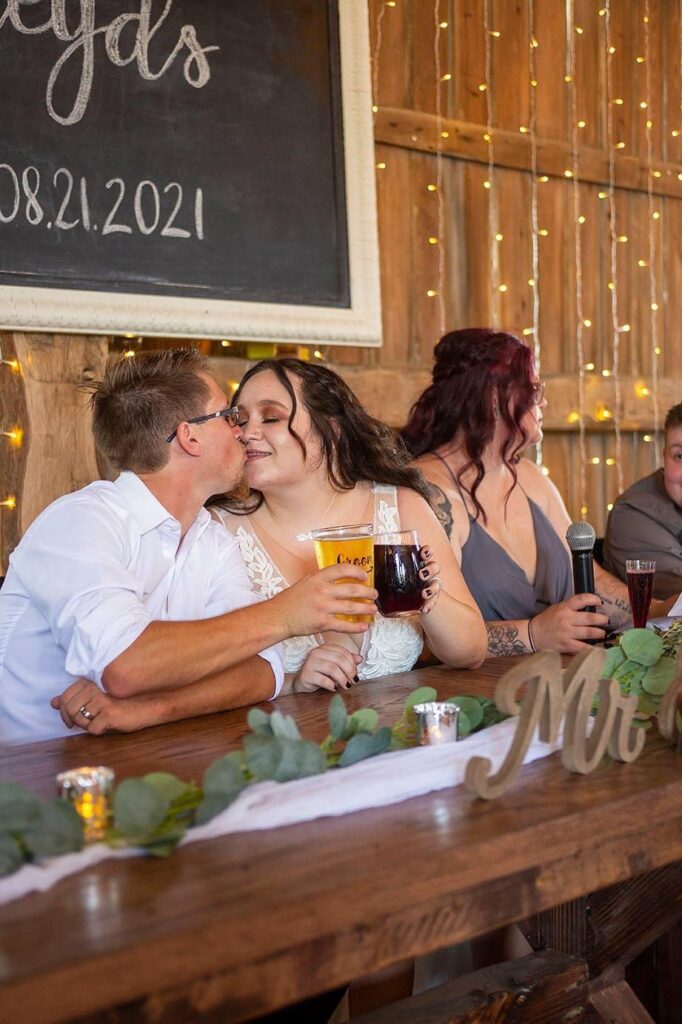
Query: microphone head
[(581, 537)]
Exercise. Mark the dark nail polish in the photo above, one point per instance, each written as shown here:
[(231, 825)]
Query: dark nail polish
[(427, 592), (356, 679), (424, 573)]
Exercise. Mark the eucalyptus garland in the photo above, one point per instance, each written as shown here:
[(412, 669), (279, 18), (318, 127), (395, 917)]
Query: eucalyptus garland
[(645, 662), (154, 812)]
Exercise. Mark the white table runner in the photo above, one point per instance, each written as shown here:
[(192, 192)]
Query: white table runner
[(376, 782)]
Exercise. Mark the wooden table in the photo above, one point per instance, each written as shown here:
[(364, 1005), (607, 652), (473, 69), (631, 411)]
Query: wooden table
[(234, 927)]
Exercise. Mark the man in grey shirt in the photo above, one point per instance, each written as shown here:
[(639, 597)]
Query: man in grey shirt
[(646, 520)]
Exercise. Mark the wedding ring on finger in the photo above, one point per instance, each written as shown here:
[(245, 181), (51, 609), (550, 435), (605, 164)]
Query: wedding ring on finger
[(87, 715)]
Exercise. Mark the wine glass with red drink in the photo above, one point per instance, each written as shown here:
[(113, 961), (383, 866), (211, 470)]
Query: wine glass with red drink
[(640, 574), (396, 573)]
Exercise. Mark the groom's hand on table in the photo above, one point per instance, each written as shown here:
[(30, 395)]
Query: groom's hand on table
[(86, 706)]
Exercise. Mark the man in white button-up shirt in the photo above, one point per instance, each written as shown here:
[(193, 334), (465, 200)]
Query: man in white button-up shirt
[(125, 604)]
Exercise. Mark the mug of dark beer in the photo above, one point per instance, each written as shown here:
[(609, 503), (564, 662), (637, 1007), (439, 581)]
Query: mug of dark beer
[(396, 573)]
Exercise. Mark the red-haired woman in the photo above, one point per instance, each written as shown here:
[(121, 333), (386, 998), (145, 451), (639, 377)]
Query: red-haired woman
[(506, 521)]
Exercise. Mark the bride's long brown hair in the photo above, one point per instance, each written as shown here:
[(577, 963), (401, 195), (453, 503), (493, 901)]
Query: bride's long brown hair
[(355, 446)]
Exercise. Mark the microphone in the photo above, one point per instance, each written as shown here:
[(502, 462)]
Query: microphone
[(581, 538)]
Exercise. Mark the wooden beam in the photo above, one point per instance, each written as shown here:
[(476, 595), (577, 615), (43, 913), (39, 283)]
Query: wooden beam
[(542, 988), (413, 129), (624, 919), (618, 1004), (45, 400)]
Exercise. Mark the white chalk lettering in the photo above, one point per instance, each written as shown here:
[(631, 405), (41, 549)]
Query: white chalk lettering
[(82, 37)]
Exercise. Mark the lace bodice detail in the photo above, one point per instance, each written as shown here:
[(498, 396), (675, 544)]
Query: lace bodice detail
[(389, 645)]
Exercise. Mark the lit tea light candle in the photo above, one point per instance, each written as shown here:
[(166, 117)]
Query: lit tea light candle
[(89, 789), (437, 722)]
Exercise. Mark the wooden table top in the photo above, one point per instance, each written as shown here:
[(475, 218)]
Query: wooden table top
[(253, 921)]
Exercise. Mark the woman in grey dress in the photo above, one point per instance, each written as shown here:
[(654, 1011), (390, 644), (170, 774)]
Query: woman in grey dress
[(506, 520)]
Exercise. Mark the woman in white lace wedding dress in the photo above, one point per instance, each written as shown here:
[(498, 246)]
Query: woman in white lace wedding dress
[(314, 459)]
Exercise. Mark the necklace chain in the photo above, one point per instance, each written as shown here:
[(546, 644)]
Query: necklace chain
[(302, 536)]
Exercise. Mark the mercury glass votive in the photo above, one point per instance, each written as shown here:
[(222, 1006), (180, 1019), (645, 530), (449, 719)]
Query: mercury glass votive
[(437, 722), (89, 789)]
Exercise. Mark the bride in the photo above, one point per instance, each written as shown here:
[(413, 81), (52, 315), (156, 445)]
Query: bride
[(315, 458)]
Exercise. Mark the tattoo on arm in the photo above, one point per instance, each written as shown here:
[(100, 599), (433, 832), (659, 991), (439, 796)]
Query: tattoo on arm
[(442, 507), (503, 638), (614, 595)]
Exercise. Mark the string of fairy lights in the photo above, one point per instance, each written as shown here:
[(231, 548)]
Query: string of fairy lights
[(653, 215), (14, 436), (441, 134), (612, 284), (534, 280), (605, 411), (577, 124), (495, 237), (648, 260)]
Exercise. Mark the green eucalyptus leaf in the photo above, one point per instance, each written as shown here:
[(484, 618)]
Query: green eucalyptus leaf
[(647, 705), (401, 741), (138, 808), (284, 726), (471, 707), (658, 677), (13, 793), (17, 817), (642, 646), (464, 726), (350, 729), (59, 830), (300, 758), (627, 674), (224, 776), (163, 840), (366, 720), (638, 723), (362, 746), (212, 804), (11, 856), (358, 748), (262, 755), (635, 686), (492, 715), (615, 657), (259, 721), (422, 695), (169, 786), (338, 717), (381, 740)]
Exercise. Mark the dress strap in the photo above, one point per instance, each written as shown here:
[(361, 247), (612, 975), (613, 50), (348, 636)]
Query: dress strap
[(455, 482)]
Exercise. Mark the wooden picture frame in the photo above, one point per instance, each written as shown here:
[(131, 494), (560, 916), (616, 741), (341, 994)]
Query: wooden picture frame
[(69, 310)]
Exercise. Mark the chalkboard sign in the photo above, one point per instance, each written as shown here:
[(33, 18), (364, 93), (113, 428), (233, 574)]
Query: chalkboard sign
[(189, 168)]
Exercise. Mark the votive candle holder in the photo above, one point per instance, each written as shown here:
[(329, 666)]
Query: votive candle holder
[(437, 722), (89, 790)]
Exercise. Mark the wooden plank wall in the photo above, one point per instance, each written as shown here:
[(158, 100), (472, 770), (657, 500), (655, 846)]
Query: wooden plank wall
[(420, 227), (407, 137)]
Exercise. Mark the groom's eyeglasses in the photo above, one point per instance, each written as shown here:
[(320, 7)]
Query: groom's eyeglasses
[(231, 415)]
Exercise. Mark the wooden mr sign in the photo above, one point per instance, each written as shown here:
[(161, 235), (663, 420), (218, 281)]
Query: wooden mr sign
[(553, 696)]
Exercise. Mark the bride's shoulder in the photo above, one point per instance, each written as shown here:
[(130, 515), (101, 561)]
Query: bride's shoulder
[(230, 520)]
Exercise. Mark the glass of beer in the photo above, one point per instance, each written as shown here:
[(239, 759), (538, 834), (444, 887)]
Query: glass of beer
[(396, 573), (346, 545), (640, 575)]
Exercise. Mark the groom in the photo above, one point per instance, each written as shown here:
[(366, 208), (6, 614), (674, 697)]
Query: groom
[(126, 605)]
